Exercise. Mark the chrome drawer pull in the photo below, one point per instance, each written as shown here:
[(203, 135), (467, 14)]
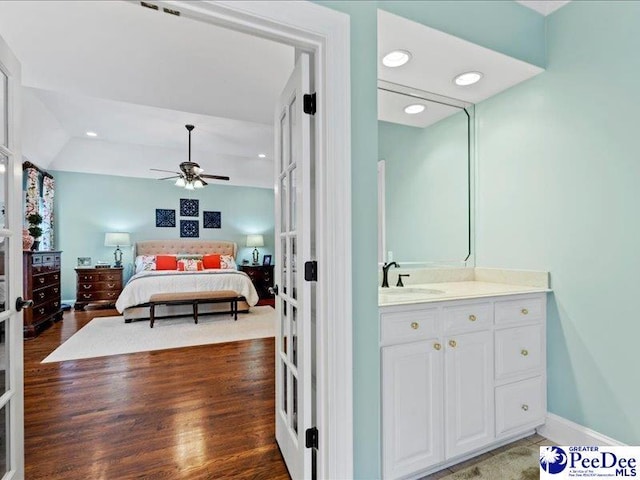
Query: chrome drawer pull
[(86, 287), (41, 280), (111, 285), (472, 318), (525, 407), (41, 294), (415, 325), (111, 294), (87, 295), (524, 352), (41, 311)]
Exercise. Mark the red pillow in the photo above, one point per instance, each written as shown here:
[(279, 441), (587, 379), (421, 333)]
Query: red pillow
[(166, 262), (211, 261)]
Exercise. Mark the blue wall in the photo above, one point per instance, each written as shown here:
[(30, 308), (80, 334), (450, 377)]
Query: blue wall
[(426, 187), (87, 206), (559, 170)]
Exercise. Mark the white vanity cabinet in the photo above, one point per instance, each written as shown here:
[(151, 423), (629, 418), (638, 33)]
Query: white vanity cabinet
[(459, 377)]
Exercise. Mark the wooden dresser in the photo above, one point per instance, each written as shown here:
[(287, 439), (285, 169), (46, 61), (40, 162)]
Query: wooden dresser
[(262, 278), (42, 285), (100, 286)]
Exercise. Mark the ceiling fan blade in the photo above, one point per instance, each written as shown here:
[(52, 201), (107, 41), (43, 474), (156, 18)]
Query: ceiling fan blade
[(169, 178), (203, 182), (215, 177), (168, 171)]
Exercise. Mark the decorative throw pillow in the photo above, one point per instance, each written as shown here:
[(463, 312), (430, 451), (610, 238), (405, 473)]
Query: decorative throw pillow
[(189, 256), (190, 265), (227, 262), (211, 261), (166, 262), (145, 262)]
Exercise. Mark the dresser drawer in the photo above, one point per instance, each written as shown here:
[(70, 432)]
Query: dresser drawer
[(408, 326), (520, 405), (88, 297), (473, 316), (111, 277), (519, 351), (520, 310), (46, 279), (99, 286), (45, 294), (44, 310)]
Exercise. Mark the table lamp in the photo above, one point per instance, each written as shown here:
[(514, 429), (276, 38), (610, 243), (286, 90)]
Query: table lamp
[(116, 240), (255, 241)]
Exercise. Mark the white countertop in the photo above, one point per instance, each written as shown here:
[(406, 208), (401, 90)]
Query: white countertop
[(450, 291)]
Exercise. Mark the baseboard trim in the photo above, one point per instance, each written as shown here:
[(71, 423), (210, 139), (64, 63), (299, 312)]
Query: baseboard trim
[(565, 432)]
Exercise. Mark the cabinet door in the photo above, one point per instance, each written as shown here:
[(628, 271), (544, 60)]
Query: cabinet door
[(411, 407), (468, 392)]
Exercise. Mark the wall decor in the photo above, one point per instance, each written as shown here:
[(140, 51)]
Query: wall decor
[(189, 207), (189, 229), (165, 218), (211, 220), (84, 261), (266, 260)]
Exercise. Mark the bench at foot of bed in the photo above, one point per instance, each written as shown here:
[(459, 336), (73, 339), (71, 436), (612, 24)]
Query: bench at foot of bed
[(194, 298)]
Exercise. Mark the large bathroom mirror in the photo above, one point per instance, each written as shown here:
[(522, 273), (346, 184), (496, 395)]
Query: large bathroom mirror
[(425, 144)]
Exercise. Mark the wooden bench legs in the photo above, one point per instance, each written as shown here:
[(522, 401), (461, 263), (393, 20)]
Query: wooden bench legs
[(194, 303)]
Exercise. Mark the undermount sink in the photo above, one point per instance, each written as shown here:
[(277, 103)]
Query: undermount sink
[(409, 291)]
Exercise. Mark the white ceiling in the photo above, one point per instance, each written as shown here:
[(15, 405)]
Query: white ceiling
[(437, 57), (137, 76), (545, 7)]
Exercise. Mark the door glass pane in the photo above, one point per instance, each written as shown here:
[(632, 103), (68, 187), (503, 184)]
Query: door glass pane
[(284, 199), (294, 404), (283, 324), (3, 190), (4, 269), (284, 393), (283, 264), (294, 260), (292, 200), (4, 357), (4, 451), (4, 110), (294, 336), (281, 140), (293, 114)]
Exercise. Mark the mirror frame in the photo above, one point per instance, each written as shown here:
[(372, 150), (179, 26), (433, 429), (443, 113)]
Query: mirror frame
[(469, 109)]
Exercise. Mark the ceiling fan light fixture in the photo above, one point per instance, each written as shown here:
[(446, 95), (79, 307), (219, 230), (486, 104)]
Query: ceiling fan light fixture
[(189, 186), (198, 170), (198, 184), (180, 182)]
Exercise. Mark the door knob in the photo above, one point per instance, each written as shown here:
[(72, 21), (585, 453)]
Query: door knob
[(273, 290), (20, 304)]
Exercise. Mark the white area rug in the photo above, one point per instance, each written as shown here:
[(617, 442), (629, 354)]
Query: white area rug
[(106, 336)]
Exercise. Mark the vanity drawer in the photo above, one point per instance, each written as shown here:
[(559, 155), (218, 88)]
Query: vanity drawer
[(473, 316), (519, 351), (520, 405), (526, 309), (408, 326)]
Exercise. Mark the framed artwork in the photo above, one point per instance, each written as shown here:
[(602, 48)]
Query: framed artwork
[(189, 207), (211, 220), (189, 229), (266, 260), (84, 261), (165, 218)]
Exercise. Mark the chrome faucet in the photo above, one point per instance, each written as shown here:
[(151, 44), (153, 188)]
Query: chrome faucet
[(385, 273)]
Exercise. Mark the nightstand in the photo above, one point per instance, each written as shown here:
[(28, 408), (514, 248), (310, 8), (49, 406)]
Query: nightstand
[(262, 278), (100, 286)]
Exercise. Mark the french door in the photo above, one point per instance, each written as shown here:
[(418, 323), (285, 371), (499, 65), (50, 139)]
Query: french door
[(294, 403), (11, 220)]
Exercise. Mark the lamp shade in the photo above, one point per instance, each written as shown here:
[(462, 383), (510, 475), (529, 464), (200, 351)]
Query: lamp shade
[(255, 241), (117, 239)]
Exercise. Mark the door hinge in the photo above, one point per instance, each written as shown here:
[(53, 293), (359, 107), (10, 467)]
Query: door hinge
[(309, 103), (311, 271), (311, 437)]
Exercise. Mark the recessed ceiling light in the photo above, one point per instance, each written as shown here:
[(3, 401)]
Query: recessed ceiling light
[(92, 134), (415, 108), (467, 78), (262, 155), (397, 58)]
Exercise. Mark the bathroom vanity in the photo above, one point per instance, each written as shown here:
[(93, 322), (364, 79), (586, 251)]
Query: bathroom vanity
[(463, 371)]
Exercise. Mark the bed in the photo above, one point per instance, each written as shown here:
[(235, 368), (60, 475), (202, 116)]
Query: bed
[(133, 302)]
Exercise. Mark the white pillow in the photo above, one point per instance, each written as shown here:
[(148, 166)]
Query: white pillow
[(227, 262), (145, 262)]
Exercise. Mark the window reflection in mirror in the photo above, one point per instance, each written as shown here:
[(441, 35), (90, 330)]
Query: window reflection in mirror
[(426, 215)]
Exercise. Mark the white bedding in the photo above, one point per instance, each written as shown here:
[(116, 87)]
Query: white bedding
[(142, 285)]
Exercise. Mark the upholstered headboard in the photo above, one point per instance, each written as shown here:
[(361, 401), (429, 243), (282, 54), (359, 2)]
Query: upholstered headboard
[(192, 247)]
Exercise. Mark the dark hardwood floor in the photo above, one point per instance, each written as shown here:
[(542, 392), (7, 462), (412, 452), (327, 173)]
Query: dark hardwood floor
[(201, 412)]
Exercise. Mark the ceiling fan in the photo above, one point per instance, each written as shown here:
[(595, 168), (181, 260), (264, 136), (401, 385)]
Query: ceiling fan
[(190, 176)]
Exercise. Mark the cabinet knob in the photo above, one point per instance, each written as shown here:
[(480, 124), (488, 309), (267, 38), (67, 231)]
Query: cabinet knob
[(524, 352), (415, 325), (452, 343), (525, 407), (472, 318), (525, 311), (437, 346)]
